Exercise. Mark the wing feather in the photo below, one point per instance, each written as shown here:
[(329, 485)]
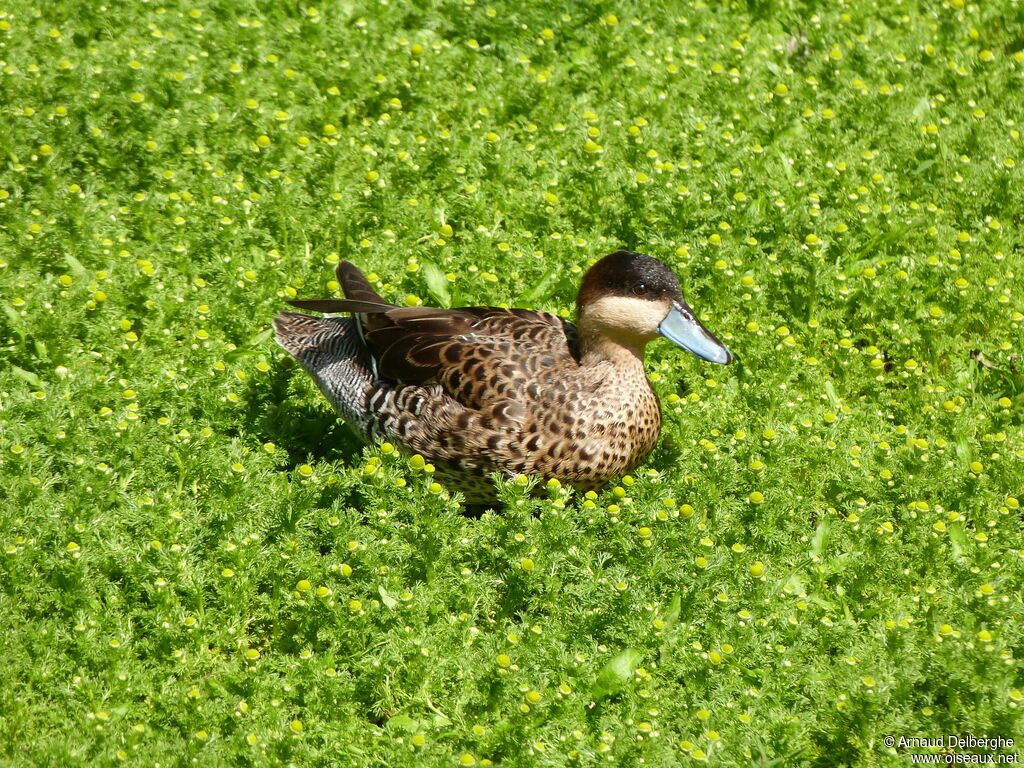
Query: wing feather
[(478, 355)]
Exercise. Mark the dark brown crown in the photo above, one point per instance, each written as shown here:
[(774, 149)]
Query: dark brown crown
[(629, 274)]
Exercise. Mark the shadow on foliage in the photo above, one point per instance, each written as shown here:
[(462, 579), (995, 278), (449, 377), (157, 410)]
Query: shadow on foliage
[(305, 430)]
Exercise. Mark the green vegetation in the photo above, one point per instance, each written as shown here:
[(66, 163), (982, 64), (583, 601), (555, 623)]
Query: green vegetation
[(201, 565)]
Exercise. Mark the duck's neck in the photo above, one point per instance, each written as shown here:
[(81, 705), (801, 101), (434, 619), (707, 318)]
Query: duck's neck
[(597, 346)]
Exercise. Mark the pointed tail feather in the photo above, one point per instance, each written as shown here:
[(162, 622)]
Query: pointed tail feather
[(340, 305), (355, 285)]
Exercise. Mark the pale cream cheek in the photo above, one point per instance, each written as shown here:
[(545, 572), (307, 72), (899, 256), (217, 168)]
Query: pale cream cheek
[(628, 316)]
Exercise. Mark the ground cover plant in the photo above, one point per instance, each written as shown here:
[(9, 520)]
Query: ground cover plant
[(201, 565)]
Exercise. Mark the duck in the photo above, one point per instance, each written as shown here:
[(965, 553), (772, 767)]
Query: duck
[(484, 392)]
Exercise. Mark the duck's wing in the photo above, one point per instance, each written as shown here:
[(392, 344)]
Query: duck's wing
[(479, 355)]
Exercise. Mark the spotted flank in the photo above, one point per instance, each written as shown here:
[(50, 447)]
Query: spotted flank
[(479, 390)]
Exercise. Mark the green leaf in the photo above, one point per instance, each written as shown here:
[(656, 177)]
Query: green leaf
[(387, 599), (924, 166), (921, 108), (552, 284), (541, 290), (671, 617), (830, 392), (820, 540), (818, 600), (403, 723), (958, 541), (786, 164), (76, 267), (15, 319), (794, 582), (254, 346), (615, 674), (437, 283), (868, 255), (28, 376), (260, 338)]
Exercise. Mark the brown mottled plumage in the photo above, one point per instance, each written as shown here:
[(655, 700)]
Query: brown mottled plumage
[(479, 390)]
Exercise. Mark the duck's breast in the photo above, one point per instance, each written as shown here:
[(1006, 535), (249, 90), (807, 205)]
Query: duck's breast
[(584, 424)]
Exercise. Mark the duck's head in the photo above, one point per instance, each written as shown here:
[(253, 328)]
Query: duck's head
[(631, 298)]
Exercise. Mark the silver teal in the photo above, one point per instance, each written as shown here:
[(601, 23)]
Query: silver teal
[(484, 390)]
